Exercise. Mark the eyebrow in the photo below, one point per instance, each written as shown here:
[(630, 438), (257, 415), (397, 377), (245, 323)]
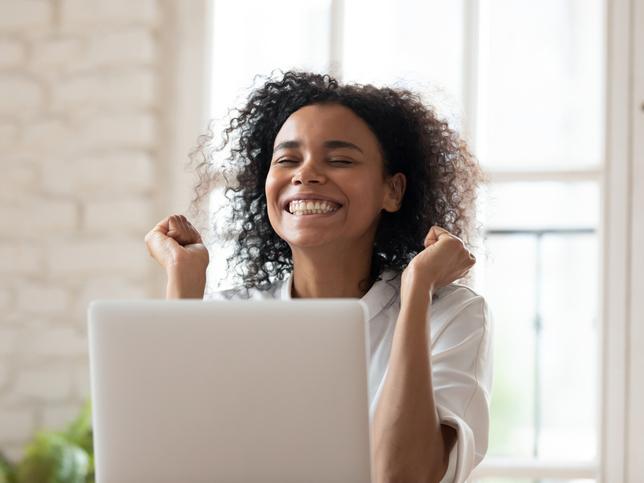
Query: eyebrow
[(331, 144)]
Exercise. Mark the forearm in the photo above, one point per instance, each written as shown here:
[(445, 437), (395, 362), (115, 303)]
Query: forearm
[(185, 284), (406, 433)]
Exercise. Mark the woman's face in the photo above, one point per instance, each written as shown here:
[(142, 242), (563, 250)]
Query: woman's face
[(326, 183)]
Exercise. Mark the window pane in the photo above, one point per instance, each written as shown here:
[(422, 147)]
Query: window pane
[(510, 294), (569, 353), (252, 37), (542, 290), (410, 43), (540, 90), (521, 205)]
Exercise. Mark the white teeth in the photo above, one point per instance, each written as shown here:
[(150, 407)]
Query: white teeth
[(311, 207)]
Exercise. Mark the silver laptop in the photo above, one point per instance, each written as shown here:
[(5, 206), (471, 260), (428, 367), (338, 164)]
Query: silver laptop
[(238, 391)]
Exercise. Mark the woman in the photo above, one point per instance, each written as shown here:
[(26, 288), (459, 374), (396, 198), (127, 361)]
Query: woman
[(358, 191)]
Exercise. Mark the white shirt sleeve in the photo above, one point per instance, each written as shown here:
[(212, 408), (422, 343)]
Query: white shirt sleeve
[(462, 380)]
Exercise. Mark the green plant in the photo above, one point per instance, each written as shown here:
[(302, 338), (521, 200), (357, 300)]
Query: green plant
[(56, 457), (7, 471)]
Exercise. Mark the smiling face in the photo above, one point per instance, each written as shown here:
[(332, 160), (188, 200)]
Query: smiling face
[(327, 182)]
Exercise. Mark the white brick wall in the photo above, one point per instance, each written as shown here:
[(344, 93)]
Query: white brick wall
[(24, 15), (100, 176), (27, 94), (43, 384), (19, 258), (42, 299), (12, 53), (15, 423), (81, 182), (79, 13)]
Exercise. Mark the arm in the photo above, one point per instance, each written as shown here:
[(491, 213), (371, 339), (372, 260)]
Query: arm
[(409, 443), (185, 283)]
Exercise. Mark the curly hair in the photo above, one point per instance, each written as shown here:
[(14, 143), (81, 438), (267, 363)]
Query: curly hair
[(442, 175)]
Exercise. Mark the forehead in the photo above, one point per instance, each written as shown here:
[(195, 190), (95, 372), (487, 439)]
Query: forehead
[(320, 122)]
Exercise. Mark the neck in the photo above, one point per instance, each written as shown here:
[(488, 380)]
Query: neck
[(324, 273)]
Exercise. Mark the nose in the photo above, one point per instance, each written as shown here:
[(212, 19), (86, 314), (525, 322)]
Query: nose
[(307, 173)]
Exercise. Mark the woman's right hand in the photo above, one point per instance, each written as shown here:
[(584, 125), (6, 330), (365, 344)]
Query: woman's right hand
[(177, 246)]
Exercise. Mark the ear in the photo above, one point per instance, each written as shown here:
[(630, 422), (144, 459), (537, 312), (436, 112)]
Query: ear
[(394, 192)]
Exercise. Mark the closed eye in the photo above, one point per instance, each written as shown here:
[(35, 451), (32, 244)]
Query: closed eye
[(335, 161)]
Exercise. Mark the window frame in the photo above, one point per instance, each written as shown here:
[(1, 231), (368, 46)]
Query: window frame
[(527, 467), (635, 383), (616, 306), (621, 178)]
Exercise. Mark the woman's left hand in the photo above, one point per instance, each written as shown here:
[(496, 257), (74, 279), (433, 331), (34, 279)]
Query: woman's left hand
[(444, 260)]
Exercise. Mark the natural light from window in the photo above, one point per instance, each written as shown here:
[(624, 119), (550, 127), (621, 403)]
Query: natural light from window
[(526, 90)]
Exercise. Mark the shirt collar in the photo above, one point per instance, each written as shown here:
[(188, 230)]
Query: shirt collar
[(286, 288), (381, 293)]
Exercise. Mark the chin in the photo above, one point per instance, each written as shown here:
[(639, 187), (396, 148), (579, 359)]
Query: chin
[(309, 241)]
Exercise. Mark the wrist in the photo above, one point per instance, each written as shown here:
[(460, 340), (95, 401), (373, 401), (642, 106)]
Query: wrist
[(417, 282), (415, 294), (185, 285)]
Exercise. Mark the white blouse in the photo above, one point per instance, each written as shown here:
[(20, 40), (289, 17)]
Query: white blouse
[(460, 337)]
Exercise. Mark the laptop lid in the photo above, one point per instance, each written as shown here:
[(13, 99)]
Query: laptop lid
[(234, 391)]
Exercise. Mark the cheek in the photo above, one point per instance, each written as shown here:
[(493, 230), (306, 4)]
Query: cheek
[(367, 196), (271, 190)]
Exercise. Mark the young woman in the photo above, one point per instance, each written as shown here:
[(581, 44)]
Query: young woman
[(358, 191)]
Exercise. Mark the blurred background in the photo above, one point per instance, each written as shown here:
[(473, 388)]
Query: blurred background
[(101, 102)]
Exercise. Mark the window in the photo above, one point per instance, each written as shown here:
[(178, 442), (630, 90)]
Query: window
[(524, 83), (539, 119)]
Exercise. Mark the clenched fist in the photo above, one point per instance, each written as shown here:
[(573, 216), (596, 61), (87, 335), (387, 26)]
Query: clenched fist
[(444, 260), (177, 246)]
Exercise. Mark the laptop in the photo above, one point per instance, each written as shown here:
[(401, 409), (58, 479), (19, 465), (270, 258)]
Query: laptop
[(230, 391)]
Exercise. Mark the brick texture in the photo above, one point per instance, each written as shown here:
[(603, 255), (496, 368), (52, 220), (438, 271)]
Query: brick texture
[(81, 111)]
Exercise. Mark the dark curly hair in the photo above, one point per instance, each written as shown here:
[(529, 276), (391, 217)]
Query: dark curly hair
[(442, 175)]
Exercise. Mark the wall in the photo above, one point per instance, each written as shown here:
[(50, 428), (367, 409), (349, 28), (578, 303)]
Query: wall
[(86, 135), (635, 441)]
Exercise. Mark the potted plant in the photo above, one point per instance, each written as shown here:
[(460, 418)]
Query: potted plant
[(56, 456)]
